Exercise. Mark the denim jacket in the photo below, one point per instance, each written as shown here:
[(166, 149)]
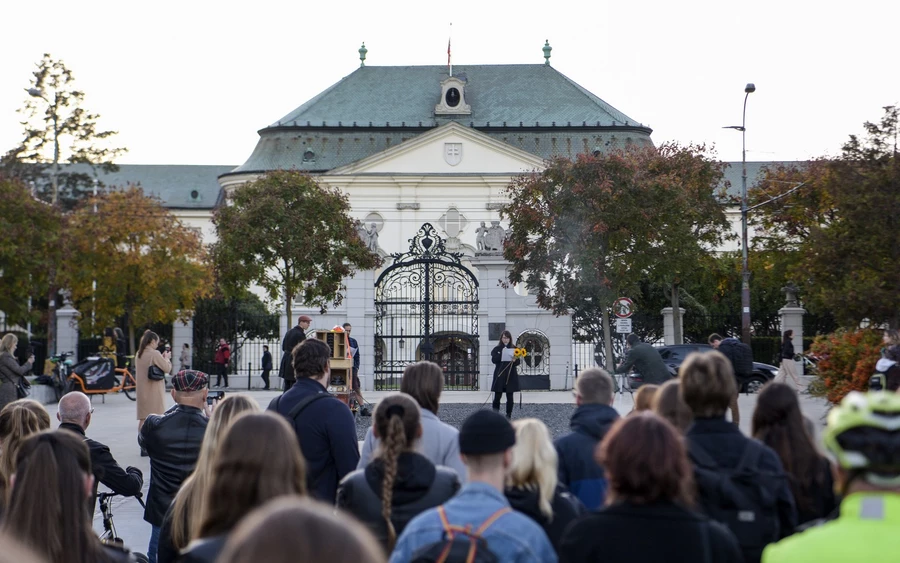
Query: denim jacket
[(513, 538)]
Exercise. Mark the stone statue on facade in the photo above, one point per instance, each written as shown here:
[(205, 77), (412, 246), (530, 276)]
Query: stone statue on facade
[(790, 292), (480, 233), (371, 239), (493, 239)]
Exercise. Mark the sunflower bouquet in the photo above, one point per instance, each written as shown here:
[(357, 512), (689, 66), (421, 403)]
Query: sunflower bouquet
[(520, 353)]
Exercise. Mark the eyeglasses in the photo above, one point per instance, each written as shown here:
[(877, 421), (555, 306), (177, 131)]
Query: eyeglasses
[(92, 411)]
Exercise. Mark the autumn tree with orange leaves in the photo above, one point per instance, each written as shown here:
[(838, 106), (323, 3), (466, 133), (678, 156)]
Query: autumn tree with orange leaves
[(586, 231), (148, 266)]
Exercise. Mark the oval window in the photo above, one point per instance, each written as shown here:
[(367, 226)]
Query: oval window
[(452, 97)]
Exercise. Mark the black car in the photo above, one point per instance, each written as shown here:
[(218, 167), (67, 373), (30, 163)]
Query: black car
[(675, 354)]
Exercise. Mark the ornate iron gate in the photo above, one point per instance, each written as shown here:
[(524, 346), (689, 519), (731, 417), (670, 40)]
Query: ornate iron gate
[(426, 308)]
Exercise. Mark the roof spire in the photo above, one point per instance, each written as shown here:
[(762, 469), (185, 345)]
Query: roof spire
[(547, 48), (362, 54)]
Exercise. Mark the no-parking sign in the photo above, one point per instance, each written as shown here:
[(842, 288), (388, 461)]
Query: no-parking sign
[(623, 307)]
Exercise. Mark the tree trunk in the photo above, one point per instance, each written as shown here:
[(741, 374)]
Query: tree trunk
[(607, 341), (131, 336), (287, 309), (677, 333)]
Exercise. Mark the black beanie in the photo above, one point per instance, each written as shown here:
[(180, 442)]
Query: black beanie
[(486, 432)]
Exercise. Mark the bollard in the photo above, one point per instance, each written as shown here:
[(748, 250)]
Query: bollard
[(249, 374)]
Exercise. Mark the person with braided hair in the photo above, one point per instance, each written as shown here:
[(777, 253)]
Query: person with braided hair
[(399, 483)]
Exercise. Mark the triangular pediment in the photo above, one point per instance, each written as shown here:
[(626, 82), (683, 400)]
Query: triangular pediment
[(449, 149)]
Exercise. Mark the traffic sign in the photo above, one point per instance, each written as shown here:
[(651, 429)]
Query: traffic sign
[(623, 307), (623, 326)]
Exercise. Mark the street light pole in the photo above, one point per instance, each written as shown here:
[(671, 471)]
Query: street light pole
[(745, 262)]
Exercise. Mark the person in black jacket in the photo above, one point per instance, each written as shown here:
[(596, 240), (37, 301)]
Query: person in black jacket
[(741, 358), (506, 378), (648, 514), (645, 360), (592, 419), (266, 366), (324, 425), (292, 337), (257, 460), (399, 483), (532, 486), (788, 365), (759, 506), (173, 441), (75, 414)]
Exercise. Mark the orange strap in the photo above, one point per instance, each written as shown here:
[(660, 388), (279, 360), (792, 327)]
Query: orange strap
[(467, 529)]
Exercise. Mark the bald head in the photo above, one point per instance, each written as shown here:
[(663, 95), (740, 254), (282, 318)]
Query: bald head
[(75, 408)]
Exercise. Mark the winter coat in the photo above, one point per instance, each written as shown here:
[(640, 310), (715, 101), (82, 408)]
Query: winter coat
[(577, 469), (418, 486), (173, 442), (291, 339), (506, 377), (326, 431), (565, 506), (724, 442), (267, 360), (151, 395), (10, 374), (661, 531), (646, 361), (223, 355)]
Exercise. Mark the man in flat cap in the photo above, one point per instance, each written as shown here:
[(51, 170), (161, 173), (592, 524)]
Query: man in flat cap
[(479, 510), (293, 337), (173, 441)]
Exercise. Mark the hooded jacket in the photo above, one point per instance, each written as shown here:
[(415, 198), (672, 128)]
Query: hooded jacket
[(577, 469), (565, 506), (418, 486)]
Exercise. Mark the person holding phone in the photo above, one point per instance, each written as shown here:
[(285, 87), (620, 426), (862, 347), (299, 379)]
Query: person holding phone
[(10, 370)]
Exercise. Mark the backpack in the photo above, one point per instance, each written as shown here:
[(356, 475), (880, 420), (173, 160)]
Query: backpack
[(742, 498), (460, 544), (741, 356)]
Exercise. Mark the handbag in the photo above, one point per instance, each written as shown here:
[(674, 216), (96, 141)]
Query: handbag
[(154, 373), (22, 390)]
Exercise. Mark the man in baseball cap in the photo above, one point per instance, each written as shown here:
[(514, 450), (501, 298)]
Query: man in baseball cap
[(480, 508), (172, 440)]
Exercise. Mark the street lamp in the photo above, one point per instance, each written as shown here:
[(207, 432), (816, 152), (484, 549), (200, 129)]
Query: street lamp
[(745, 266)]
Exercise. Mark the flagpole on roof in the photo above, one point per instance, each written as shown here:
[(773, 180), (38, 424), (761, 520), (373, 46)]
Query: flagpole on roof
[(449, 37)]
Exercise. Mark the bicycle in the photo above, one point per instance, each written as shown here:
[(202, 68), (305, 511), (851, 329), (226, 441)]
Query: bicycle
[(59, 375), (109, 534), (123, 381)]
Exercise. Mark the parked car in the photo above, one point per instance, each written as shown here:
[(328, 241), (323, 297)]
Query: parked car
[(675, 354)]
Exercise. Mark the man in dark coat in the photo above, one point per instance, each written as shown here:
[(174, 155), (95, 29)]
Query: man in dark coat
[(592, 419), (75, 414), (324, 425), (266, 366), (645, 360), (357, 388), (293, 337), (741, 357)]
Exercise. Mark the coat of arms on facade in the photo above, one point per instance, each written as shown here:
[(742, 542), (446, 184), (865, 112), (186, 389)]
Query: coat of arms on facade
[(453, 153)]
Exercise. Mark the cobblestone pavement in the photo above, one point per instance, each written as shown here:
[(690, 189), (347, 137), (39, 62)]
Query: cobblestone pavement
[(114, 424)]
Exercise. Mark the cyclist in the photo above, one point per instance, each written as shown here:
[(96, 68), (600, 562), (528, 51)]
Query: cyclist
[(863, 435)]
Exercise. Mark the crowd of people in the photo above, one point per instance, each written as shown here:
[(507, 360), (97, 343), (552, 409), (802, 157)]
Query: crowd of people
[(674, 480)]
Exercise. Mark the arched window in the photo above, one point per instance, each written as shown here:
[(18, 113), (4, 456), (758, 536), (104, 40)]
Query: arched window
[(537, 360)]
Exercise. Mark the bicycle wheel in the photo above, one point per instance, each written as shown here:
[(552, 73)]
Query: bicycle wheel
[(128, 386), (71, 385)]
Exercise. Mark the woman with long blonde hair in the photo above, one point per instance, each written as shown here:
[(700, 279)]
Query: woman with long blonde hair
[(532, 484), (18, 420), (258, 459), (11, 373), (182, 521)]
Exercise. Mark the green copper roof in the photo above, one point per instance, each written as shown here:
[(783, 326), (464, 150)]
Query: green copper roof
[(500, 95)]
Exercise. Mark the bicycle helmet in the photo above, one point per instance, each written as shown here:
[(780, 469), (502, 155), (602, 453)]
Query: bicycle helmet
[(863, 433)]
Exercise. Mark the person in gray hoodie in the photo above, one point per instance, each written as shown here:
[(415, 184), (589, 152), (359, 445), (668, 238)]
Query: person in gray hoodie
[(592, 419), (424, 381)]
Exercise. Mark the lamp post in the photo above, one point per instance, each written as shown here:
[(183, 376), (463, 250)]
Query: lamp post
[(745, 266), (54, 182)]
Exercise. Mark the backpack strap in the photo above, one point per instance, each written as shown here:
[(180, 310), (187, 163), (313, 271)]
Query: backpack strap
[(299, 407), (700, 456), (474, 535), (491, 520)]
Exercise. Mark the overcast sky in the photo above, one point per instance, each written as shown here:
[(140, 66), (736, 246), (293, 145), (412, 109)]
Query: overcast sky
[(191, 82)]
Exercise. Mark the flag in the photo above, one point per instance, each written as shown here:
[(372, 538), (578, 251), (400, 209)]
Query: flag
[(449, 66)]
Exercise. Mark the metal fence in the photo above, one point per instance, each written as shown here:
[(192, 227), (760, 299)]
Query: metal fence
[(247, 334)]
